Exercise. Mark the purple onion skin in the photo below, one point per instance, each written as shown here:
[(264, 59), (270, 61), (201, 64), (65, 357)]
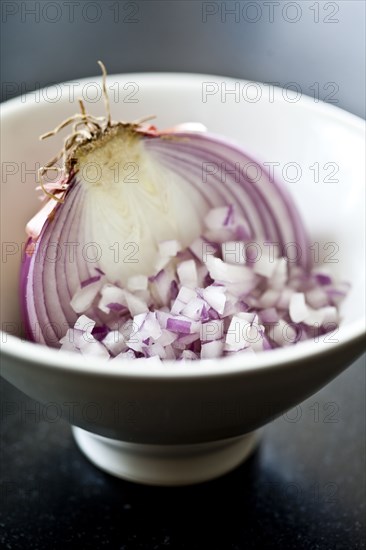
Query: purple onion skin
[(24, 270)]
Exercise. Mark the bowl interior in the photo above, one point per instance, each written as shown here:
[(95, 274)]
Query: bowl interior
[(315, 149)]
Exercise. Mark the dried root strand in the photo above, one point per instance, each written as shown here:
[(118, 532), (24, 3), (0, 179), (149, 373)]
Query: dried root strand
[(143, 119), (82, 108), (105, 93), (81, 118), (41, 173), (59, 127), (50, 166), (85, 128)]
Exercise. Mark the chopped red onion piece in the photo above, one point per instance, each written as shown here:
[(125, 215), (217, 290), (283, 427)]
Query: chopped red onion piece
[(129, 354), (167, 337), (114, 342), (215, 297), (189, 355), (182, 325), (187, 273), (330, 315), (69, 346), (314, 318), (269, 298), (85, 324), (316, 297), (283, 333), (298, 309), (236, 336), (160, 286), (233, 252), (179, 325), (322, 316), (228, 273), (156, 350), (111, 294), (152, 326), (194, 309), (269, 315), (186, 294), (213, 349), (161, 263), (137, 282), (169, 249), (91, 347), (283, 301), (202, 248), (135, 304), (280, 274), (265, 265), (84, 297), (184, 340), (212, 330), (72, 337)]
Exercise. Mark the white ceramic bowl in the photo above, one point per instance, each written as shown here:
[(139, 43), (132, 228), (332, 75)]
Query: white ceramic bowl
[(175, 423)]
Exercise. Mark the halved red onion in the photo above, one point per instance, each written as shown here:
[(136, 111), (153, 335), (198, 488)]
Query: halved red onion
[(97, 217), (155, 236)]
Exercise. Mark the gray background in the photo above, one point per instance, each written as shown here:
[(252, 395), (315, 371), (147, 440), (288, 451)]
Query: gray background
[(52, 496), (46, 42)]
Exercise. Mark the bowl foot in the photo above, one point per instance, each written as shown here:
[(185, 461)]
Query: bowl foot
[(165, 464)]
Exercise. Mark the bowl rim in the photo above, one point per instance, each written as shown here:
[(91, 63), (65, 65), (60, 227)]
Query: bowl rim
[(70, 362), (46, 357)]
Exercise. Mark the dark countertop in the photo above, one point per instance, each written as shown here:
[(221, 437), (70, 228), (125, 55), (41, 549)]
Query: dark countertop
[(304, 488)]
